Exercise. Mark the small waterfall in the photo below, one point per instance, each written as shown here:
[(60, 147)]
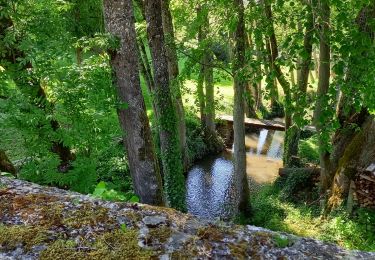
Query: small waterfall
[(276, 150), (262, 140)]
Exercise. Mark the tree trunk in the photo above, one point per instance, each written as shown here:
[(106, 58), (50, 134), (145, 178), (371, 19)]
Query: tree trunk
[(210, 94), (240, 176), (292, 136), (143, 165), (353, 150), (323, 87), (6, 165), (276, 68), (201, 76), (274, 93), (168, 124), (173, 77), (251, 89)]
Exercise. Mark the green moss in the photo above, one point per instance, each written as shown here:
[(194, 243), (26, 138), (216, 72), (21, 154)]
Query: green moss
[(87, 215), (119, 245), (133, 216), (210, 233), (160, 234), (27, 236), (111, 245), (281, 241), (239, 250), (62, 249)]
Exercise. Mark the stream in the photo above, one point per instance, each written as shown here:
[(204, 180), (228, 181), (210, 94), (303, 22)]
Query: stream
[(209, 180)]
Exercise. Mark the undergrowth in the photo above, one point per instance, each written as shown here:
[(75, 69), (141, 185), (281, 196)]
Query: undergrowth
[(270, 210)]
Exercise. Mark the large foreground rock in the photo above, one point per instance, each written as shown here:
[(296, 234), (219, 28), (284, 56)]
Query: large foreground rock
[(48, 223)]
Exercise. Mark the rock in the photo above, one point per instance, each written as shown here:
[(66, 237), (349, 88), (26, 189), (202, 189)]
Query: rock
[(50, 221), (154, 221)]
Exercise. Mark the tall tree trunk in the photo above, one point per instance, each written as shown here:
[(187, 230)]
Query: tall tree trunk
[(173, 77), (208, 73), (276, 68), (274, 93), (210, 95), (200, 83), (168, 124), (251, 90), (323, 87), (119, 21), (292, 136), (240, 176)]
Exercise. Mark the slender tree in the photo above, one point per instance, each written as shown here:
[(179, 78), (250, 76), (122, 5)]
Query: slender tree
[(168, 124), (323, 9), (173, 69), (119, 21), (273, 49), (293, 135), (240, 176)]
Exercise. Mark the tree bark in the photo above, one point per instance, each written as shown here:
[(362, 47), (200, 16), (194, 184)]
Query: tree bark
[(119, 21), (353, 150), (168, 124), (240, 176), (210, 95), (6, 165), (276, 68), (251, 90), (323, 87), (200, 83), (293, 135), (173, 77)]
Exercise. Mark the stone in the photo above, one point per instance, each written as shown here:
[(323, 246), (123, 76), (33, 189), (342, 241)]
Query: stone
[(154, 221), (150, 231)]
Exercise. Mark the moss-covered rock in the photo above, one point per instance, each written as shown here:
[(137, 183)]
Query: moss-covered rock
[(48, 223)]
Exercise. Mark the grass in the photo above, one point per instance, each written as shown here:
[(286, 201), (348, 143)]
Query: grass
[(352, 232)]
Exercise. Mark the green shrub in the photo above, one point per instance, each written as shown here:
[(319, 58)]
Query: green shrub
[(197, 147), (309, 150)]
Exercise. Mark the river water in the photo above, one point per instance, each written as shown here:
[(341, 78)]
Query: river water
[(209, 180)]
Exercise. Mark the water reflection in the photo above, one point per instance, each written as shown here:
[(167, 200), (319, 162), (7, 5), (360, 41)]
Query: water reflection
[(208, 181)]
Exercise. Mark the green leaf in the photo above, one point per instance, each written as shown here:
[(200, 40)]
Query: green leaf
[(134, 199)]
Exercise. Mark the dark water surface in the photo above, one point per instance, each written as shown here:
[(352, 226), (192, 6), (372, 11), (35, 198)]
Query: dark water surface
[(209, 180)]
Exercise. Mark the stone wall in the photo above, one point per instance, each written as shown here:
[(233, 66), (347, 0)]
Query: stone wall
[(47, 223)]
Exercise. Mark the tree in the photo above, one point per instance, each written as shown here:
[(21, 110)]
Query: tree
[(119, 21), (240, 176), (165, 110), (274, 54), (30, 84), (293, 134), (5, 164), (173, 69), (323, 9)]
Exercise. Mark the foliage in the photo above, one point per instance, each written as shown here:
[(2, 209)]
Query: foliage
[(271, 211), (101, 191), (309, 150)]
